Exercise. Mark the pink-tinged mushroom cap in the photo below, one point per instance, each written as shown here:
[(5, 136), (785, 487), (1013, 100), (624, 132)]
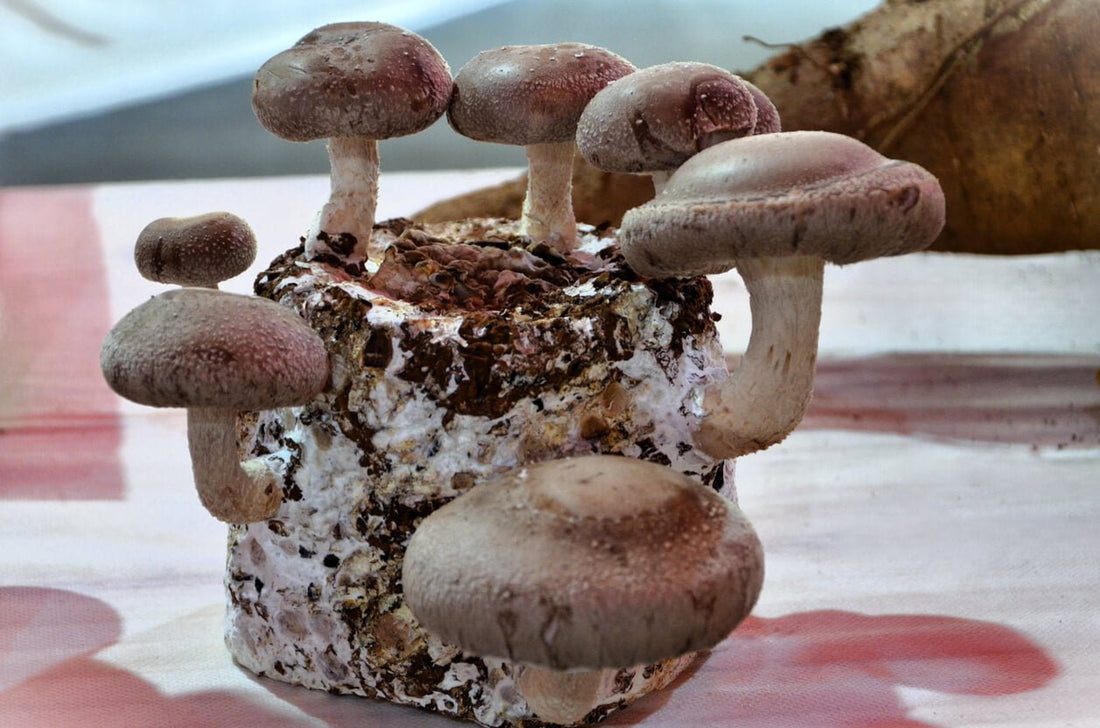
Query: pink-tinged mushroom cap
[(803, 193), (591, 562), (533, 94), (656, 118), (197, 347), (195, 251), (358, 79)]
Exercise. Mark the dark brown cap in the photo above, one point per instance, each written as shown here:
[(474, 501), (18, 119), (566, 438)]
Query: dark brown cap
[(656, 118), (195, 251), (599, 561), (530, 94), (369, 80), (199, 347), (805, 193)]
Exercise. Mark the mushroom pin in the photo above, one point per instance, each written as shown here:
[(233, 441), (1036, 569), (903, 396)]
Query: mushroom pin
[(656, 118), (217, 353), (195, 251), (533, 96), (573, 566), (778, 206), (352, 83)]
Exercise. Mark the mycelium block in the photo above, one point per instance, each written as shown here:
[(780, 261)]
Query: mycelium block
[(466, 352)]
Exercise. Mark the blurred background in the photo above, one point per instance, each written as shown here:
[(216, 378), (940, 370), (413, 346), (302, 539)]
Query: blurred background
[(98, 90)]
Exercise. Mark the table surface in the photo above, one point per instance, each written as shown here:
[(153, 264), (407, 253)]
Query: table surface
[(932, 530)]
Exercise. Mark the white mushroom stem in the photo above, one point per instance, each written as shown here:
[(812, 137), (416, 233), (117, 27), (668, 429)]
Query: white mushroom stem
[(353, 197), (558, 696), (232, 491), (548, 208), (767, 395)]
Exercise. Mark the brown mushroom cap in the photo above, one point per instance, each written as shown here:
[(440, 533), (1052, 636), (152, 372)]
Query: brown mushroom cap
[(767, 116), (369, 80), (199, 347), (802, 193), (195, 251), (592, 562), (656, 118), (531, 94)]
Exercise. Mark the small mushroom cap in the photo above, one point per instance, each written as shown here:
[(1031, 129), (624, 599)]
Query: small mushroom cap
[(767, 116), (599, 561), (796, 193), (530, 94), (369, 80), (656, 118), (199, 347), (195, 251)]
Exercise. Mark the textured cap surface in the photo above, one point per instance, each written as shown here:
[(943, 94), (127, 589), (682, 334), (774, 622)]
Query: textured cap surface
[(530, 94), (352, 79), (599, 561), (195, 251), (767, 116), (658, 117), (790, 193), (198, 347)]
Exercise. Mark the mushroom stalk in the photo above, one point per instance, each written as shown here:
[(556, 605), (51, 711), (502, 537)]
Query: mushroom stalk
[(354, 192), (548, 207), (562, 697), (764, 399), (232, 491)]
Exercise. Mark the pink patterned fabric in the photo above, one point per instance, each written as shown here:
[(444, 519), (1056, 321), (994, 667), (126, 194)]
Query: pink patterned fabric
[(59, 425), (931, 531)]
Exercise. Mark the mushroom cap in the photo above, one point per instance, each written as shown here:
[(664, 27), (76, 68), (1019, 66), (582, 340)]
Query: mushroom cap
[(370, 80), (203, 250), (598, 561), (530, 94), (808, 193), (767, 116), (199, 347), (658, 117)]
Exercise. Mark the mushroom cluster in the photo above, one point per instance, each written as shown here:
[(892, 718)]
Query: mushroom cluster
[(566, 558)]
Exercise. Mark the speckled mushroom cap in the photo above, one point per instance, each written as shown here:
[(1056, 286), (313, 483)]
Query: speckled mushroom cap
[(530, 94), (195, 251), (599, 561), (767, 116), (199, 347), (369, 80), (656, 118), (791, 193)]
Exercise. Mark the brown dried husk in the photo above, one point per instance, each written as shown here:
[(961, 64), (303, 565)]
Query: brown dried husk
[(998, 98)]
